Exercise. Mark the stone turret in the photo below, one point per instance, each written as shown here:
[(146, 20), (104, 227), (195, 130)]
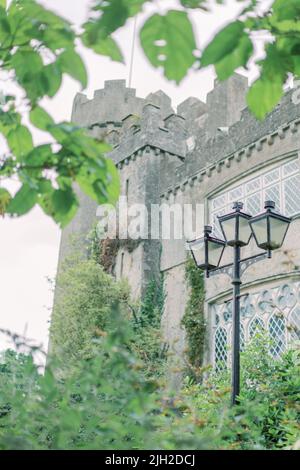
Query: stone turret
[(150, 128)]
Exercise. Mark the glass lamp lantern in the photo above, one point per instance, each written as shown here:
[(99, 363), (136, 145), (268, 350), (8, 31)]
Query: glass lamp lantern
[(269, 228), (235, 226), (207, 251)]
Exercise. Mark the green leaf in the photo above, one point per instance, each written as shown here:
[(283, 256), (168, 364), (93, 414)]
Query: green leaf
[(113, 15), (63, 131), (286, 26), (19, 141), (267, 91), (26, 63), (201, 4), (40, 118), (72, 64), (44, 186), (277, 63), (5, 199), (168, 42), (55, 38), (92, 184), (60, 204), (223, 43), (296, 61), (107, 47), (30, 75), (54, 76), (39, 155), (3, 3), (263, 95), (238, 58), (23, 201), (284, 10), (98, 182), (5, 31), (8, 121), (113, 182), (65, 205)]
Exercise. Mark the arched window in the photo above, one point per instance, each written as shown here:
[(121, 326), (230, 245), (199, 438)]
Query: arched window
[(220, 349), (277, 335), (256, 326), (294, 324), (275, 312), (281, 185)]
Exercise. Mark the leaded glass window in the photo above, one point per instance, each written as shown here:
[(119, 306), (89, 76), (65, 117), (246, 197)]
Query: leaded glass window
[(221, 346), (294, 324), (276, 311), (256, 326), (277, 335), (281, 185), (291, 194)]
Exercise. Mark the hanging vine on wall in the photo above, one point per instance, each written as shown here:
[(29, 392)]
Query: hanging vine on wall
[(153, 302), (145, 315), (104, 251), (109, 248), (193, 319), (148, 342)]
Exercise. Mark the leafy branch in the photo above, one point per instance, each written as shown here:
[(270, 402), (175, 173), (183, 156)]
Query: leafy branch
[(37, 47)]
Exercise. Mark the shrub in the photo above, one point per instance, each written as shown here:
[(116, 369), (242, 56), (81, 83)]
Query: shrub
[(85, 295), (107, 403)]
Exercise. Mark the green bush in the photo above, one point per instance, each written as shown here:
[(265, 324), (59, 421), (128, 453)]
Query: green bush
[(106, 402), (102, 403), (268, 416), (85, 295), (104, 385)]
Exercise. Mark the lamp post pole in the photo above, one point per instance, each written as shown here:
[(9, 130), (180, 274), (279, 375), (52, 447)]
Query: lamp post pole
[(236, 282), (269, 230)]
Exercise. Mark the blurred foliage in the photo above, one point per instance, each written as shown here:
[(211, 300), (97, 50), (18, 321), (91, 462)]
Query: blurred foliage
[(268, 416), (37, 47), (105, 383), (107, 402), (169, 42), (85, 297)]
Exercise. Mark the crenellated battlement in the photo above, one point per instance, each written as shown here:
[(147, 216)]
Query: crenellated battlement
[(203, 136)]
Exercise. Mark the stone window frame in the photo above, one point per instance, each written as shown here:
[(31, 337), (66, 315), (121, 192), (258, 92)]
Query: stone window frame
[(243, 183), (263, 307)]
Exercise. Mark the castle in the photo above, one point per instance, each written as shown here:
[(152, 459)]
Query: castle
[(213, 154)]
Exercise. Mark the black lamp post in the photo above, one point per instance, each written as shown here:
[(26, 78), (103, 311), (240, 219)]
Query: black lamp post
[(269, 230)]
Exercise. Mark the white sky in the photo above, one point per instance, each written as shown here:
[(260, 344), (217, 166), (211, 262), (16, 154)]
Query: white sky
[(29, 245)]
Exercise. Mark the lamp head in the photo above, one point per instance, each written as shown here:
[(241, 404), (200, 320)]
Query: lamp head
[(269, 228), (207, 251), (235, 226)]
